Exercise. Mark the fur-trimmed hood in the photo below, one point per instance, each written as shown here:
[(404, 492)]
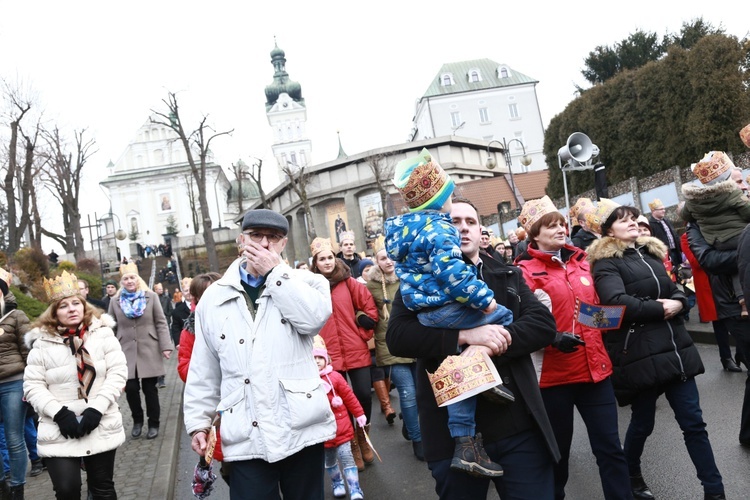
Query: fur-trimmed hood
[(374, 274), (105, 320), (608, 247), (692, 191)]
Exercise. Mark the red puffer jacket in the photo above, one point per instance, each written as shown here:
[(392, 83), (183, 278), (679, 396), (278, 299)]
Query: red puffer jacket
[(348, 403), (345, 340), (590, 363)]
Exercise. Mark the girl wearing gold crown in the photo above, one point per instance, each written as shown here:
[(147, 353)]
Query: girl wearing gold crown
[(13, 324), (74, 376), (144, 335)]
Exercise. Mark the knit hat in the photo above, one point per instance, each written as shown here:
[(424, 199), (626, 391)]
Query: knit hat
[(262, 217), (362, 264), (582, 204), (319, 347), (320, 244), (656, 204), (745, 135), (5, 281), (715, 167), (604, 209), (423, 184), (533, 210), (111, 282), (346, 235)]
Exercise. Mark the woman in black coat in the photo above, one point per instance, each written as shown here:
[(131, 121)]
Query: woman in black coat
[(652, 353)]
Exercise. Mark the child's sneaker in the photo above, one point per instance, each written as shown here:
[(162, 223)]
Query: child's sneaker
[(470, 457)]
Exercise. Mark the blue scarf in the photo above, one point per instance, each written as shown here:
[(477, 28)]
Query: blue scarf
[(133, 304)]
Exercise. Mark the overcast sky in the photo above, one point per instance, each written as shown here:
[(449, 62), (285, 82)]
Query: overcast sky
[(362, 65)]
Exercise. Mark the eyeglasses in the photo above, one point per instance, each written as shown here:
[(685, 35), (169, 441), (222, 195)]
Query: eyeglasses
[(258, 237)]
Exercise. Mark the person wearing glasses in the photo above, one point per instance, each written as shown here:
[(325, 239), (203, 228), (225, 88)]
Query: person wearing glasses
[(252, 364)]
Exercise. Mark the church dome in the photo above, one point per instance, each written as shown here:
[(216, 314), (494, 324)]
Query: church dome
[(277, 52), (250, 191), (281, 82)]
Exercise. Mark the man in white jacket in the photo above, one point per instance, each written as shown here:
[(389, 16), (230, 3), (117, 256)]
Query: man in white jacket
[(252, 364)]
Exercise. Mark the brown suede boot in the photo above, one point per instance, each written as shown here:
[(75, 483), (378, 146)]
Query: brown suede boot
[(381, 389), (367, 455), (357, 454)]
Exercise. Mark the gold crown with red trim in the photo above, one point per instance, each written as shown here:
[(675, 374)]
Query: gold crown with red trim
[(745, 135), (714, 167), (129, 268), (319, 245), (533, 210), (604, 209), (65, 285), (582, 205)]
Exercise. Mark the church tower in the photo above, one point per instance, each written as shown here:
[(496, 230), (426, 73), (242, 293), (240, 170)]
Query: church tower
[(287, 116)]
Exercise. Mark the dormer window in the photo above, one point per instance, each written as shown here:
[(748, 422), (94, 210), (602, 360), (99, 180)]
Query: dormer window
[(502, 72), (446, 79), (475, 76)]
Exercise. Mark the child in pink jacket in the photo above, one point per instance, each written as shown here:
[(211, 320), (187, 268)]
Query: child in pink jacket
[(343, 402)]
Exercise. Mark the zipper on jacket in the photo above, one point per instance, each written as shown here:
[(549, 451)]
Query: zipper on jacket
[(631, 330)]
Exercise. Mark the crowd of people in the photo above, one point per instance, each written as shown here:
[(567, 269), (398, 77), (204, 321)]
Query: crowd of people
[(281, 362)]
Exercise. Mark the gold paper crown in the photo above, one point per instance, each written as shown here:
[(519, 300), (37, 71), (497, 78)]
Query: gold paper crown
[(582, 205), (320, 244), (533, 210), (319, 347), (458, 377), (378, 244), (655, 204), (745, 135), (604, 209), (6, 276), (65, 285), (714, 167), (346, 235), (129, 268)]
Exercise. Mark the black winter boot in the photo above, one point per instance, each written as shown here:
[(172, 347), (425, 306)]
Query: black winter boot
[(16, 492), (639, 488), (469, 456)]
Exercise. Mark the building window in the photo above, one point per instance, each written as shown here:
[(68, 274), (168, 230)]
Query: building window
[(447, 79), (293, 157), (283, 160), (503, 72), (474, 76), (303, 159), (513, 110), (455, 119), (484, 115)]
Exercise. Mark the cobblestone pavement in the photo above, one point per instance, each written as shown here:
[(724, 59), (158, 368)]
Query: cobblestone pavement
[(143, 468)]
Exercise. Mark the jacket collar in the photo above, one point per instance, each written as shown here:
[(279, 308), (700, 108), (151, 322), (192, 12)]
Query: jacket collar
[(609, 247)]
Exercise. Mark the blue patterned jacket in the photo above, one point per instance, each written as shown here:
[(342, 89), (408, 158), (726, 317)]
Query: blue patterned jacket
[(427, 250)]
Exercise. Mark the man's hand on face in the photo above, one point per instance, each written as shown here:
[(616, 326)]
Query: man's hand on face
[(260, 260)]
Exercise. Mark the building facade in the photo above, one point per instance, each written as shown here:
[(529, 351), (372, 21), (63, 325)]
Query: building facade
[(484, 100)]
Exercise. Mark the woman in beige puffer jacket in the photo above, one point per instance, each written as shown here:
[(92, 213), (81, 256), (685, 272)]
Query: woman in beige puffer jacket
[(74, 376)]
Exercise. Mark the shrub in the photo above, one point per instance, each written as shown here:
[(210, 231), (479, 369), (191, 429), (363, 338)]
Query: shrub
[(32, 262), (66, 265), (32, 307), (88, 265)]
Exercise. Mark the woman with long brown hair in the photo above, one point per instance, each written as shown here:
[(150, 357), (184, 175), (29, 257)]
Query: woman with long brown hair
[(74, 377)]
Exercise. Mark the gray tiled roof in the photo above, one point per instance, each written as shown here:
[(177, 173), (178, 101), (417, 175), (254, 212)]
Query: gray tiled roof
[(489, 77)]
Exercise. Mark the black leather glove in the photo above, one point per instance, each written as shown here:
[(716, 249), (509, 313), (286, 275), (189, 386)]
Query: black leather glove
[(67, 422), (366, 322), (567, 342), (90, 419)]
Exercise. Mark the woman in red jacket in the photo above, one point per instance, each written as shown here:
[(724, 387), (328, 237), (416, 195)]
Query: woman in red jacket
[(346, 333), (575, 369)]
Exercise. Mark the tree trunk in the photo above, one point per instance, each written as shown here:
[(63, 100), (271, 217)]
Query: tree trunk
[(208, 234)]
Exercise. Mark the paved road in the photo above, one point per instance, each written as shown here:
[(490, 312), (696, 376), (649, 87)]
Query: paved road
[(666, 464)]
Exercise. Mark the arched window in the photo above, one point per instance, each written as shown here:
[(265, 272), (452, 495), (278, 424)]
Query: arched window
[(447, 79), (475, 76), (503, 72)]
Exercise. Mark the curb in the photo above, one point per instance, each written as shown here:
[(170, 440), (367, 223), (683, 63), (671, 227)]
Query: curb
[(163, 485)]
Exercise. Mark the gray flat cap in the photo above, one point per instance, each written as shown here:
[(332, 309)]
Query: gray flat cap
[(263, 217)]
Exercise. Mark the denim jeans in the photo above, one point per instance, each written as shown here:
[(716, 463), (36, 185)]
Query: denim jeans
[(13, 413), (461, 317), (684, 399), (340, 455), (29, 433), (527, 466), (403, 375)]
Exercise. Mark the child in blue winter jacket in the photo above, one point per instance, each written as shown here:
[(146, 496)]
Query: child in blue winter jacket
[(444, 289)]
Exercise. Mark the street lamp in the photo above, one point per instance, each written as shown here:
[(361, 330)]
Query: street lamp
[(491, 163)]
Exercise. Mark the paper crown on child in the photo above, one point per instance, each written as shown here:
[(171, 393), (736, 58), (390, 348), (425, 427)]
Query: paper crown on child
[(533, 210), (655, 204), (460, 377), (604, 209), (5, 280), (423, 184), (378, 244), (346, 235), (65, 285), (319, 347), (713, 168), (320, 244), (581, 205), (129, 268), (745, 135)]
